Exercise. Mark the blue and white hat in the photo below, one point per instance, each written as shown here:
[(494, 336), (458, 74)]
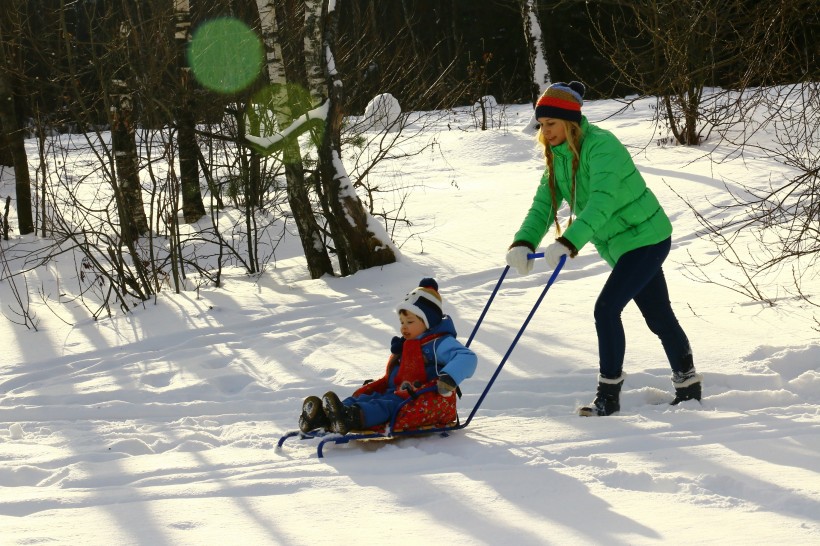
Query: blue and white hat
[(424, 302)]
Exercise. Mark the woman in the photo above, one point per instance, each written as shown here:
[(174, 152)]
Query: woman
[(589, 168)]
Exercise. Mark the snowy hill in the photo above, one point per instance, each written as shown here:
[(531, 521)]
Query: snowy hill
[(160, 427)]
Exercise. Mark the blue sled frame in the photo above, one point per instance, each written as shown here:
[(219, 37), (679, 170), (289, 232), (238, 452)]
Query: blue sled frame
[(330, 437)]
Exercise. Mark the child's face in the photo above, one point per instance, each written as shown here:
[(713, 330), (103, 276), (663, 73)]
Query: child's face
[(411, 325), (554, 130)]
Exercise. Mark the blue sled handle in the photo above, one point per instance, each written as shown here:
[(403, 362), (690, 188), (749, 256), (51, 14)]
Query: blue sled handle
[(535, 255)]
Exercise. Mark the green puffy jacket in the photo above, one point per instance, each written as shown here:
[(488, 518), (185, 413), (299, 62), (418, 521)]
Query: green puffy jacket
[(614, 207)]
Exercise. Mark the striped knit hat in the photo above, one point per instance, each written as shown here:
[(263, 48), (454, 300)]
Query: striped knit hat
[(561, 101), (424, 302)]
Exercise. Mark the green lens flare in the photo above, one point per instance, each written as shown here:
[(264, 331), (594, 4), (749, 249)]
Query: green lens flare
[(225, 55)]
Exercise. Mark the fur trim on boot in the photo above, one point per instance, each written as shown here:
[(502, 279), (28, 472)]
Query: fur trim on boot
[(688, 386)]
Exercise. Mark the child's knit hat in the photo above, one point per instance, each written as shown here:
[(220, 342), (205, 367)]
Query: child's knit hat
[(561, 101), (424, 302)]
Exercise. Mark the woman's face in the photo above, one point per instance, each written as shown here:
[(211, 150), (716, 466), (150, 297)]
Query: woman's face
[(554, 130)]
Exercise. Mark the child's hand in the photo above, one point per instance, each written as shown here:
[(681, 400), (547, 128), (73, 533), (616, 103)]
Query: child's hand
[(446, 385), (408, 389)]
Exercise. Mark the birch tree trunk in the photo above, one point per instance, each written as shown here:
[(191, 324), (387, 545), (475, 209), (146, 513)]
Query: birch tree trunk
[(535, 48), (126, 179), (134, 223), (360, 241), (192, 206), (310, 234)]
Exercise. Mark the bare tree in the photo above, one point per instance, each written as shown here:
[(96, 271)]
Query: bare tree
[(284, 99), (359, 243), (127, 185), (671, 49), (6, 157), (193, 207), (782, 217), (676, 49), (771, 66), (11, 133)]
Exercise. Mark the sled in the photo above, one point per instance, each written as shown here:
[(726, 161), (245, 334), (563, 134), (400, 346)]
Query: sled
[(388, 432), (382, 433)]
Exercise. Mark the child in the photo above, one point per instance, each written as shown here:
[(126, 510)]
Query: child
[(426, 354), (589, 169)]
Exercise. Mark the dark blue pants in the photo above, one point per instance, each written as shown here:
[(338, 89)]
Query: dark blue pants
[(638, 276), (376, 408)]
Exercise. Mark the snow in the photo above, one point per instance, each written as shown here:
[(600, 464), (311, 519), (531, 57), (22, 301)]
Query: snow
[(160, 427), (268, 141), (486, 110), (382, 113)]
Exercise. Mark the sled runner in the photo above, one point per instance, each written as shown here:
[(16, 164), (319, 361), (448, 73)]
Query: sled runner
[(429, 394)]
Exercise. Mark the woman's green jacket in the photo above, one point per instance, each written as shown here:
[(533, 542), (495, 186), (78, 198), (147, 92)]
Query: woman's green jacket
[(614, 208)]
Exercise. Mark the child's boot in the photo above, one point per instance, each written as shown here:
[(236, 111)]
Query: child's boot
[(342, 418), (607, 400), (687, 386), (313, 416)]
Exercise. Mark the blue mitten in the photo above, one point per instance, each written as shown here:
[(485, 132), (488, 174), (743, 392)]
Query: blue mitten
[(396, 345)]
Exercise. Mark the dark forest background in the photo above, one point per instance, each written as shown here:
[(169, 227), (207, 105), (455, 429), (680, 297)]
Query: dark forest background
[(118, 73), (429, 54)]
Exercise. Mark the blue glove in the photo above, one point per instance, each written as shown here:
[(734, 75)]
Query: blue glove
[(396, 345)]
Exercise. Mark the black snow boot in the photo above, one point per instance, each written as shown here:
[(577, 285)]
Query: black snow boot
[(342, 418), (687, 386), (607, 401), (313, 416)]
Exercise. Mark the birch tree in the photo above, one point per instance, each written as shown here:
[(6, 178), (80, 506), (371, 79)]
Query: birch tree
[(124, 148), (310, 233), (360, 242)]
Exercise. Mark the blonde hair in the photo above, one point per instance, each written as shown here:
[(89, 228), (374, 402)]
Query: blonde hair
[(573, 132)]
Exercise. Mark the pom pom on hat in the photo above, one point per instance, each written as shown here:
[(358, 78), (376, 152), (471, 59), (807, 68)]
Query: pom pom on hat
[(579, 88), (561, 101), (429, 282), (424, 302)]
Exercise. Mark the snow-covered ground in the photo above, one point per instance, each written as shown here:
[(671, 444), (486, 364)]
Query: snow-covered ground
[(160, 427)]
